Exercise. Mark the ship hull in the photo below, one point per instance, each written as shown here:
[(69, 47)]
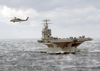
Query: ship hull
[(58, 45), (62, 47)]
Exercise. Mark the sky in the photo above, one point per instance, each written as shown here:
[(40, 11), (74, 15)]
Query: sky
[(69, 18)]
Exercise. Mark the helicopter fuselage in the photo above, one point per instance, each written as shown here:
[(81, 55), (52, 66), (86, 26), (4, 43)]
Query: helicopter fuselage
[(18, 20)]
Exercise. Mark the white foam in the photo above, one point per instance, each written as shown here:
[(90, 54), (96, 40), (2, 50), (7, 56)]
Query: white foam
[(95, 51)]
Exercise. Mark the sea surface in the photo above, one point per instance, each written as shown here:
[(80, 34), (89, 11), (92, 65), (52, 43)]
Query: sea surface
[(24, 55)]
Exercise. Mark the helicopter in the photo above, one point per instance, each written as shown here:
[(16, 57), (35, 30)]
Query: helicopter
[(18, 20)]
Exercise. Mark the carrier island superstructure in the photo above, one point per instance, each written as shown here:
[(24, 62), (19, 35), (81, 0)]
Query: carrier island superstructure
[(58, 45)]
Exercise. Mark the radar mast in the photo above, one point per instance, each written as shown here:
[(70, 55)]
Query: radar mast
[(46, 23)]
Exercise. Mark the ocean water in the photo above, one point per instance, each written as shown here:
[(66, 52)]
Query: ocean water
[(24, 55)]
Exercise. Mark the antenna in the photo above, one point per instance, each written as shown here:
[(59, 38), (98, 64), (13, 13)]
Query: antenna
[(46, 23)]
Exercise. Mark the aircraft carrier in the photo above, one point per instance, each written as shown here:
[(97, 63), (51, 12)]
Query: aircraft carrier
[(58, 45)]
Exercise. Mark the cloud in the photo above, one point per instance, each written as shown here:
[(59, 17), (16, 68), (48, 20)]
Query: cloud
[(64, 15), (69, 22), (75, 22), (77, 16), (10, 13)]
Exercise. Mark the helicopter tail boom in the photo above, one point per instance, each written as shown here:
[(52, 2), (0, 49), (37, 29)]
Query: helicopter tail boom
[(27, 18)]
